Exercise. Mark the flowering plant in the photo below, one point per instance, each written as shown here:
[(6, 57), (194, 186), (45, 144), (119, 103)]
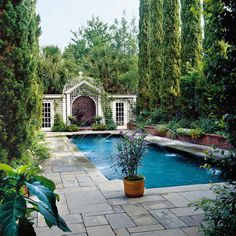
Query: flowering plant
[(130, 153)]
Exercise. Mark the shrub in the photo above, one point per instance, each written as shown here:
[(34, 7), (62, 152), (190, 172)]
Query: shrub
[(176, 124), (72, 120), (98, 119), (209, 125), (173, 125), (38, 148), (196, 133), (161, 129), (220, 213), (110, 124), (72, 128), (170, 134), (158, 116), (99, 127), (59, 125), (193, 133)]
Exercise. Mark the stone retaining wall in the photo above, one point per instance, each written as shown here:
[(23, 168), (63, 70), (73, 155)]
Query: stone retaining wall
[(207, 139)]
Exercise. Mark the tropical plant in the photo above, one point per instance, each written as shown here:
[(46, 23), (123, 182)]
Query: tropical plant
[(22, 192), (107, 53), (130, 154), (54, 70)]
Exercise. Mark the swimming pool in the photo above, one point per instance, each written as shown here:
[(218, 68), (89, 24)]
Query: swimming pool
[(160, 167)]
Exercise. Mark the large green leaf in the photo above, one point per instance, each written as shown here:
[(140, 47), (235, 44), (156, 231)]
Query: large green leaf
[(44, 194), (62, 225), (47, 205), (22, 169), (7, 168), (50, 218), (46, 182), (10, 212)]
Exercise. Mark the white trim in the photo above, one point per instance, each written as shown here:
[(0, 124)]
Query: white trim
[(81, 83), (51, 114), (125, 113), (64, 109), (68, 105), (123, 96), (53, 96)]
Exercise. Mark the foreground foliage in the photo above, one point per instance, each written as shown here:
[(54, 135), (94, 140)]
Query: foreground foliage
[(220, 213), (22, 192)]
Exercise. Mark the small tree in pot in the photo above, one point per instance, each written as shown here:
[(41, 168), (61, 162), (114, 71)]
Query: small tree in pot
[(129, 158)]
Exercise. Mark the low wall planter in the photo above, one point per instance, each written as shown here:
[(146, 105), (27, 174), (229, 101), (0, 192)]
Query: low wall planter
[(207, 139)]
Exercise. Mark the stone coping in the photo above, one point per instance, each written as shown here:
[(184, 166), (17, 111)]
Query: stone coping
[(195, 150)]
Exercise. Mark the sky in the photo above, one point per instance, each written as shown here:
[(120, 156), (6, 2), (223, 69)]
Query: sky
[(59, 17)]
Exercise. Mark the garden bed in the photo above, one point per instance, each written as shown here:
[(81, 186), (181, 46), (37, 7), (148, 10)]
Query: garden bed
[(206, 139)]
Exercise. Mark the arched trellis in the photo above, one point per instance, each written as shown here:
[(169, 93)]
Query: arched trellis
[(76, 89)]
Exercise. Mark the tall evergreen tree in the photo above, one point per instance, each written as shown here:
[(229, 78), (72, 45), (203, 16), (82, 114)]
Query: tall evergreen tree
[(143, 63), (191, 35), (220, 60), (19, 99), (169, 86), (156, 40)]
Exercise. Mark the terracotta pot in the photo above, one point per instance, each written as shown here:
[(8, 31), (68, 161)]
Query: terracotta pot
[(133, 188)]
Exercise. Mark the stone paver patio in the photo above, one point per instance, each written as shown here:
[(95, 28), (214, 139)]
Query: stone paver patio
[(93, 206)]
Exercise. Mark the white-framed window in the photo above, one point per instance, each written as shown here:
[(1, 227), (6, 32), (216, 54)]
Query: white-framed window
[(120, 114), (47, 115)]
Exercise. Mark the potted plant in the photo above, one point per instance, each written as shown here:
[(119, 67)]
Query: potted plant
[(22, 192), (129, 158)]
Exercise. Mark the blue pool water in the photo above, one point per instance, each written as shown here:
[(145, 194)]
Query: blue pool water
[(160, 167)]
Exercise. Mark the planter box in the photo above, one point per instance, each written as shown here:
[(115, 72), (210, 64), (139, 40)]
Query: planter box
[(207, 139), (151, 130)]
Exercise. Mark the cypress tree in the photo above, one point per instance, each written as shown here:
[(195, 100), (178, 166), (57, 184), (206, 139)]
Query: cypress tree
[(191, 35), (19, 90), (169, 86), (156, 40), (143, 63), (220, 61)]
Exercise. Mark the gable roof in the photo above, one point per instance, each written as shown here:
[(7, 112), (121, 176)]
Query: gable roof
[(78, 82)]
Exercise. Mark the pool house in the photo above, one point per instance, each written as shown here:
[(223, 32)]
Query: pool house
[(82, 98)]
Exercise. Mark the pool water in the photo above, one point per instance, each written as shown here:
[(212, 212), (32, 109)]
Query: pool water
[(160, 167)]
